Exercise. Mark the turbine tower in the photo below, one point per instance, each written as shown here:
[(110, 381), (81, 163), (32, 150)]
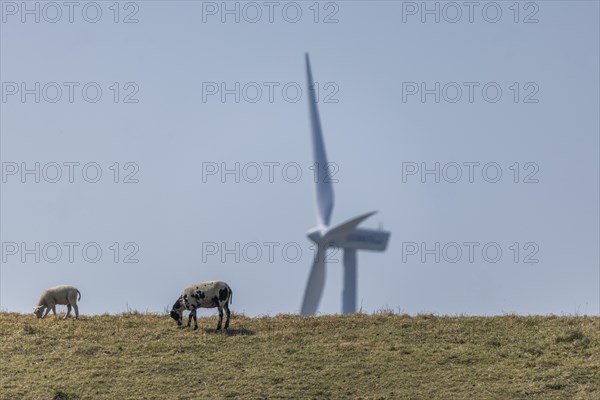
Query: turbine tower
[(346, 235)]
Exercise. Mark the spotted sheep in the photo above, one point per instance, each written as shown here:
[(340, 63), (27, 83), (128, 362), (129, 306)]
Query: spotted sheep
[(203, 295), (64, 294)]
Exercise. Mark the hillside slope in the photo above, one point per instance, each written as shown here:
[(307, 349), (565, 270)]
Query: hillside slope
[(134, 356)]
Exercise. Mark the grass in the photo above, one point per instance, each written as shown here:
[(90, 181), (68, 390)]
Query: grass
[(384, 356)]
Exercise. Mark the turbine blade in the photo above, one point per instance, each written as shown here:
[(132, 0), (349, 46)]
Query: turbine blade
[(345, 228), (315, 284), (324, 189)]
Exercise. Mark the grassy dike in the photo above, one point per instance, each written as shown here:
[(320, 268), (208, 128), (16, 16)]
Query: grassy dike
[(382, 356)]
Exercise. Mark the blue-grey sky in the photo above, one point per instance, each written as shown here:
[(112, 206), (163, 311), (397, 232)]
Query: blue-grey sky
[(368, 64)]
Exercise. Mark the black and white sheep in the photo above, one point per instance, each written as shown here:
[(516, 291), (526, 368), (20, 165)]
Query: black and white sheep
[(203, 295), (64, 295)]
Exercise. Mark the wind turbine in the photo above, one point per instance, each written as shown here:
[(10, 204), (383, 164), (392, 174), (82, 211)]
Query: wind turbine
[(345, 235)]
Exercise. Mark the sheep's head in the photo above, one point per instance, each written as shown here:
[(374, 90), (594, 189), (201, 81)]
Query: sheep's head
[(38, 311), (176, 316), (176, 312)]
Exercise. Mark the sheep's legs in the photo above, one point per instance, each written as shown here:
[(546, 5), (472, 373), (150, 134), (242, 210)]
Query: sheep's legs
[(220, 319), (68, 311), (54, 310), (228, 315), (76, 311), (193, 313), (47, 311)]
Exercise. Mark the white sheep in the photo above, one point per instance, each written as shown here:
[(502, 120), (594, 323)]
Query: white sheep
[(203, 295), (64, 294)]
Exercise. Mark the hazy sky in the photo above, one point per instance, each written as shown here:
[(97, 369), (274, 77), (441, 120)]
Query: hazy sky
[(517, 90)]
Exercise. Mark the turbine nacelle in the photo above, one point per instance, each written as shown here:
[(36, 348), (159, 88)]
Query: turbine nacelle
[(364, 239), (348, 236)]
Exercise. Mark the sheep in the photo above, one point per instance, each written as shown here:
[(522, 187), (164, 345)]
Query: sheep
[(203, 295), (63, 294)]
